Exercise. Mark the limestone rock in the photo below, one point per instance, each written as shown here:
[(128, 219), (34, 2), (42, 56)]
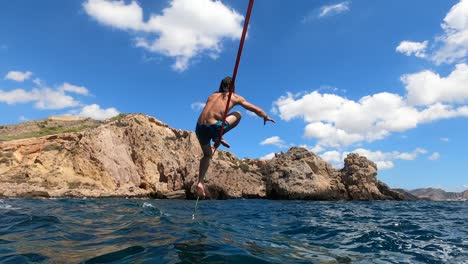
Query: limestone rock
[(137, 155), (299, 174), (359, 177)]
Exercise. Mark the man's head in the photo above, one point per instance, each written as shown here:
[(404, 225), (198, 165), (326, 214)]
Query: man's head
[(225, 84)]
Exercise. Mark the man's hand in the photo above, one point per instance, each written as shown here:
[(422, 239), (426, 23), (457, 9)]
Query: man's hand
[(267, 118)]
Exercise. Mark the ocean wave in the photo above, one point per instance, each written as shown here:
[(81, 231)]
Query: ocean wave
[(235, 231)]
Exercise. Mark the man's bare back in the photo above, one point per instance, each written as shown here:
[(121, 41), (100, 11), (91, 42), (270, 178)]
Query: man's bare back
[(215, 106)]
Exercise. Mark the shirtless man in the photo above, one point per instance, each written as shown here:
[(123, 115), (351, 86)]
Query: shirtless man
[(211, 119)]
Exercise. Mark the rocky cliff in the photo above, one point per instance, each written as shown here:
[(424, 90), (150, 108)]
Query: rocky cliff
[(138, 155)]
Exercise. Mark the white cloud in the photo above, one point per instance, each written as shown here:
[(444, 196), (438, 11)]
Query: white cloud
[(452, 45), (184, 30), (455, 38), (411, 155), (445, 139), (38, 82), (314, 149), (409, 48), (52, 99), (427, 87), (465, 186), (334, 9), (44, 98), (333, 157), (250, 113), (434, 156), (268, 156), (116, 14), (337, 121), (94, 111), (16, 96), (18, 76), (74, 89), (383, 160), (23, 118), (197, 106), (275, 140)]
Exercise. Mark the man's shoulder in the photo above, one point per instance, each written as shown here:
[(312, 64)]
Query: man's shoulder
[(238, 98)]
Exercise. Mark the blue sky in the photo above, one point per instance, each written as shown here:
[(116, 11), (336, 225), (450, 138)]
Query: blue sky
[(386, 79)]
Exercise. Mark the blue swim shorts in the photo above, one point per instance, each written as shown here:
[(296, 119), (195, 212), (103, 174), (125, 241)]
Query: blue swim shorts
[(207, 132)]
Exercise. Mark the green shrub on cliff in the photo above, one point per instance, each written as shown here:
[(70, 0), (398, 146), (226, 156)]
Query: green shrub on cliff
[(44, 132)]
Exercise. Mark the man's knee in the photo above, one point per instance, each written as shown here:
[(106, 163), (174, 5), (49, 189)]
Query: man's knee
[(237, 115)]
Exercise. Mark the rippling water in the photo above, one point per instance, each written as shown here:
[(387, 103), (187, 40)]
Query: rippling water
[(232, 231)]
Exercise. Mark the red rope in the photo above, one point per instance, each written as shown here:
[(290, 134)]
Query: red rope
[(234, 74)]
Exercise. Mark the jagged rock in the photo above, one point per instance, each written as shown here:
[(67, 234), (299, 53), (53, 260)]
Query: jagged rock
[(133, 155), (180, 194), (137, 155), (35, 194), (299, 174), (359, 177)]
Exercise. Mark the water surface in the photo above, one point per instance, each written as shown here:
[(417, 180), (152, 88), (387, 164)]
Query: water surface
[(232, 231)]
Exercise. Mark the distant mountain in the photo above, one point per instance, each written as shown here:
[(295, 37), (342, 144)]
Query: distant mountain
[(435, 194)]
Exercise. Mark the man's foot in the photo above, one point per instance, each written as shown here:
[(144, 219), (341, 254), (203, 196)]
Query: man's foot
[(218, 141), (201, 190)]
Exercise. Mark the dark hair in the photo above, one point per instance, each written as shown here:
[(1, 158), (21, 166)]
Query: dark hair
[(225, 84)]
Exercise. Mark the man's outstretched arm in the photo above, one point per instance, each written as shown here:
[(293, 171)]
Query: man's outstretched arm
[(257, 110)]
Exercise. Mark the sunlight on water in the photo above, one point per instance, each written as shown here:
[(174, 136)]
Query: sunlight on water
[(233, 231)]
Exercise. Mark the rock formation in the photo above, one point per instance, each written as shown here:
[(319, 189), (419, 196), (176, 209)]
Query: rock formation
[(138, 155)]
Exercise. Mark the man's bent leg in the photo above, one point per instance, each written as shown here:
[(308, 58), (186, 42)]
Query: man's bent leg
[(233, 119)]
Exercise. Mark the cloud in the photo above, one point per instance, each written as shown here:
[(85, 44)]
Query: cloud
[(250, 113), (445, 139), (116, 14), (66, 87), (18, 76), (184, 30), (333, 157), (427, 87), (197, 106), (314, 149), (48, 98), (276, 141), (336, 9), (383, 160), (337, 121), (409, 48), (451, 46), (23, 119), (455, 38), (268, 156), (434, 156), (94, 111), (38, 82), (45, 97)]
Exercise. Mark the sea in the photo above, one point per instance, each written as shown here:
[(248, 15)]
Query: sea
[(119, 230)]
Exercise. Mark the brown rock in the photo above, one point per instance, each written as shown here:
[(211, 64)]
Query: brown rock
[(359, 176), (138, 155), (300, 174)]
